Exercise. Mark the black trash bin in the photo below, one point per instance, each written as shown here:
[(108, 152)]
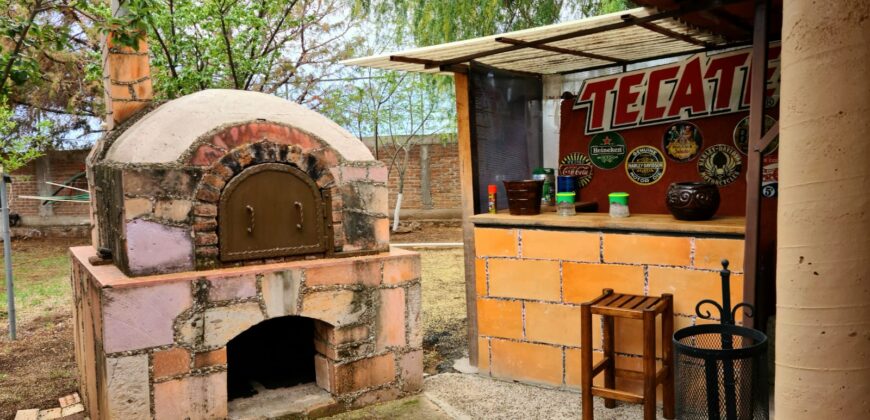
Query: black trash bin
[(721, 369), (721, 373)]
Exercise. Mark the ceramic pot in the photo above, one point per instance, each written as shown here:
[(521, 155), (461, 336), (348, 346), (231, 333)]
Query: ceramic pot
[(524, 197), (692, 200)]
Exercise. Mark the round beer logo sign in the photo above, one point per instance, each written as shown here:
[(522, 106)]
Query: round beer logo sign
[(607, 150), (645, 165), (577, 164), (682, 141), (720, 164), (741, 135)]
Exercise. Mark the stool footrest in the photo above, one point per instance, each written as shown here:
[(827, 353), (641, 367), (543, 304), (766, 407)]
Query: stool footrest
[(617, 395)]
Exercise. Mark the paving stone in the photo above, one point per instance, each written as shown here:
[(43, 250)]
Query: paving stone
[(69, 410), (50, 414), (29, 414), (137, 318), (281, 292), (127, 387), (222, 324)]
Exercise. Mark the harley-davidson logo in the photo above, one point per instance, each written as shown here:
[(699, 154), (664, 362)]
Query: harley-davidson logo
[(645, 165), (720, 164)]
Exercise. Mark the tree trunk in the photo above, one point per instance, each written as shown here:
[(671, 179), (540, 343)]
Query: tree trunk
[(823, 267)]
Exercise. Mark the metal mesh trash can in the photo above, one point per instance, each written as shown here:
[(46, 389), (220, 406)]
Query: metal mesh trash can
[(721, 373), (721, 370)]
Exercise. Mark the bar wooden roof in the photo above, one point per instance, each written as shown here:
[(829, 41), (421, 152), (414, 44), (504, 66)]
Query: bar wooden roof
[(626, 37)]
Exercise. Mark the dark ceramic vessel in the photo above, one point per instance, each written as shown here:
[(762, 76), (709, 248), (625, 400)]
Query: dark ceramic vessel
[(692, 200), (524, 197)]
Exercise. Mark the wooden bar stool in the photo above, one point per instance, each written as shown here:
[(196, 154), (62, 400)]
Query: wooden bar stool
[(646, 308)]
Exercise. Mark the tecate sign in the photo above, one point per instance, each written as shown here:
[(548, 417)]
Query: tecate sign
[(700, 86)]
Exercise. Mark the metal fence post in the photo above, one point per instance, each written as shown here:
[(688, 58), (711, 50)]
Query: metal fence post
[(7, 254)]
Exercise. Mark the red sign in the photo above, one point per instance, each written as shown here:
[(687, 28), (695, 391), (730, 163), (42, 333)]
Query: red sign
[(696, 87)]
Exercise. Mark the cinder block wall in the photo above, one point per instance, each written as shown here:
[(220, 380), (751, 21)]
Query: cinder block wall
[(530, 284)]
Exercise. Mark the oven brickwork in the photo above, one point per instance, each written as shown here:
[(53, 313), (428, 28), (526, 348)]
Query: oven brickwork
[(173, 363), (530, 284), (173, 208)]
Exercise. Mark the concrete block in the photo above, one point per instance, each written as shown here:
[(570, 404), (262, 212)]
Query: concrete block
[(336, 307), (193, 397)]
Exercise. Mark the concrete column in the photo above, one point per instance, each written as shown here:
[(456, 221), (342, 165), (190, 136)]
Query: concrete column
[(823, 238), (425, 178)]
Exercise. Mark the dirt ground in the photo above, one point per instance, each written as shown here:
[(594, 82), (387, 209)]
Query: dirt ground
[(40, 366), (429, 234)]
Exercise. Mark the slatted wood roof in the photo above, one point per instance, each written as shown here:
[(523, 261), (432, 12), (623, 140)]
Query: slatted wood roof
[(615, 39)]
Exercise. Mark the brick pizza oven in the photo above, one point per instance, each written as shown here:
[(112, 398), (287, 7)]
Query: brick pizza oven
[(241, 267)]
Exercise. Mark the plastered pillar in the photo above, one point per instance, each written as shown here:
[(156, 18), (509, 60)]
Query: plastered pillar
[(823, 238)]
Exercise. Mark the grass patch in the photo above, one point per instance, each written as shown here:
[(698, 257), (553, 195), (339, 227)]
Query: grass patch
[(41, 276)]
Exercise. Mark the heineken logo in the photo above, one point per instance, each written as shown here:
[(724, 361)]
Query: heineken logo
[(607, 150)]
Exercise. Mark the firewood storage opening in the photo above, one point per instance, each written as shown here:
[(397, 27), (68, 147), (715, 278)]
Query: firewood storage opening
[(276, 353), (721, 373)]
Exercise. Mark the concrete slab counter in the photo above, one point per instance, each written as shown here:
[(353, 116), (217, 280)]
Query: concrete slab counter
[(532, 273)]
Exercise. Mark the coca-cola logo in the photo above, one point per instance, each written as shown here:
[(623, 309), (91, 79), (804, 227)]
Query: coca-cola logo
[(579, 165)]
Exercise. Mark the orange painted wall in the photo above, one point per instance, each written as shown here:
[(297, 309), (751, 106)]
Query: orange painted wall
[(530, 284)]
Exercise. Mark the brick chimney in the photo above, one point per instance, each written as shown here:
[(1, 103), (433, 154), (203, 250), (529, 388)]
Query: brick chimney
[(126, 77)]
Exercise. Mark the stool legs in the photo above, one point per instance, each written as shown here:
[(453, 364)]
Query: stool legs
[(668, 357), (610, 370), (649, 365), (586, 360)]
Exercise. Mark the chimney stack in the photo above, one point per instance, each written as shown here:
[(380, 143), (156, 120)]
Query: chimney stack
[(126, 76)]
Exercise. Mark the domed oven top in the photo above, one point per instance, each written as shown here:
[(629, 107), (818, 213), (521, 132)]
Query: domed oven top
[(223, 176)]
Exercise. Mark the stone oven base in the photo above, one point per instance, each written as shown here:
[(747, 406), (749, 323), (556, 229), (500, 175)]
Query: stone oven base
[(155, 346)]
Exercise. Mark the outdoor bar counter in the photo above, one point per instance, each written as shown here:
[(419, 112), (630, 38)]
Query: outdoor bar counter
[(532, 273)]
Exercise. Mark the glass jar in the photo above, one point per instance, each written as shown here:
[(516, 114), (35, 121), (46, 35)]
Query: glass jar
[(565, 204)]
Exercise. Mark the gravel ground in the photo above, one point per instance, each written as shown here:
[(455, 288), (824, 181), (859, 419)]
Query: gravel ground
[(479, 397)]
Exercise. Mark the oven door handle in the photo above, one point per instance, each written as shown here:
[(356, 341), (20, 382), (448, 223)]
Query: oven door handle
[(298, 206), (250, 211)]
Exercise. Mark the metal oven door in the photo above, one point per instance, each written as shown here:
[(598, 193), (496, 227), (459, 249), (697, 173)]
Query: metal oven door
[(270, 210)]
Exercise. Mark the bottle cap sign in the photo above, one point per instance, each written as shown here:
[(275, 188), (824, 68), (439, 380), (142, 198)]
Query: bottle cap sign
[(720, 164), (645, 165), (682, 141), (577, 164), (607, 150)]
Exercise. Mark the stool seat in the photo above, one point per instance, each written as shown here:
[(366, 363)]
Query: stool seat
[(611, 305), (625, 305)]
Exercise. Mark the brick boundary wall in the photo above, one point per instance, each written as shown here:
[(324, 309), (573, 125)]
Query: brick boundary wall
[(55, 166), (60, 165), (530, 284)]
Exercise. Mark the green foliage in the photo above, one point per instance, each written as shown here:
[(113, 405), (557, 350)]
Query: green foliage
[(17, 148), (273, 46), (430, 22)]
